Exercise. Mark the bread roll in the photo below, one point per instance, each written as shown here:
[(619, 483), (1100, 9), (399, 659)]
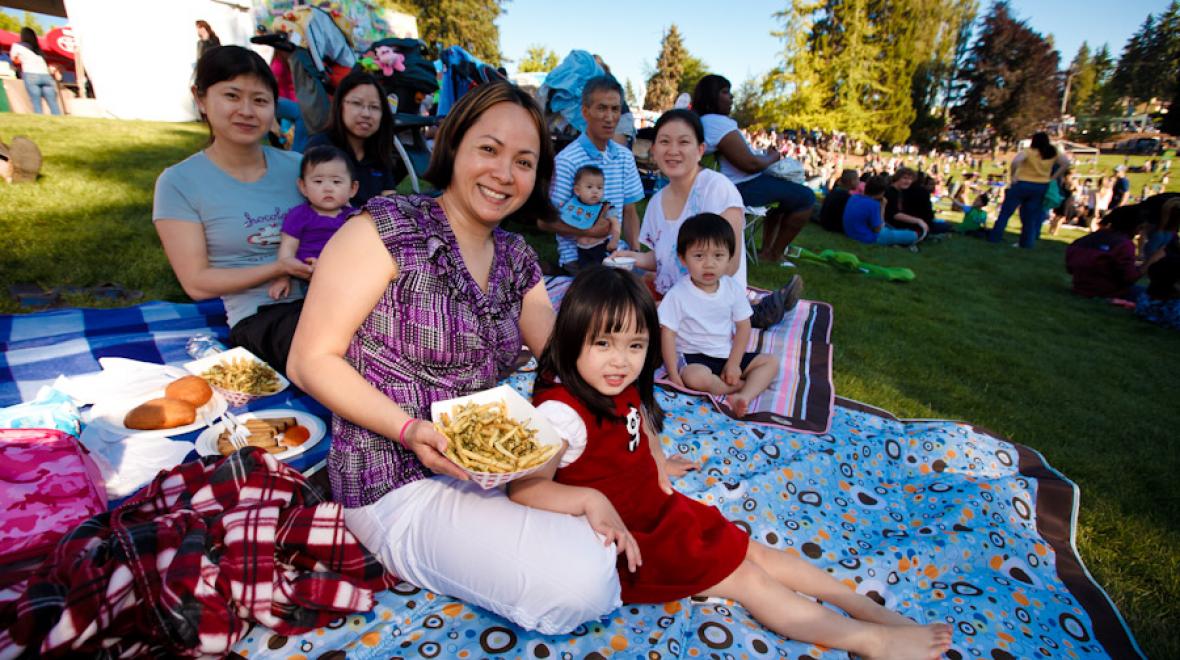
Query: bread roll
[(161, 413), (193, 389)]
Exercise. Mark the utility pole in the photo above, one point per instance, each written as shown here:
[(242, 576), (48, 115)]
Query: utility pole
[(1069, 74)]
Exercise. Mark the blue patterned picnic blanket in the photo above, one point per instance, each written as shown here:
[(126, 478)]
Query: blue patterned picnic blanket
[(939, 520)]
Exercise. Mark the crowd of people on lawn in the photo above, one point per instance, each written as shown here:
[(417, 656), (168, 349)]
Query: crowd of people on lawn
[(379, 304)]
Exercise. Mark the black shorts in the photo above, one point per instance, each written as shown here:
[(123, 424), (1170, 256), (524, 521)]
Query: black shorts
[(591, 256), (268, 333), (716, 364)]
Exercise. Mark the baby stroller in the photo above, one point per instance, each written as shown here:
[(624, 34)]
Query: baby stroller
[(461, 72), (408, 77), (320, 56)]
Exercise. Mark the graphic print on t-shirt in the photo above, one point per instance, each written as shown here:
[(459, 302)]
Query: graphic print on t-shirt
[(270, 231)]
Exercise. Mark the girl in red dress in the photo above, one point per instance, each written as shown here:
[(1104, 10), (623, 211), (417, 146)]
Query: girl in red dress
[(595, 383)]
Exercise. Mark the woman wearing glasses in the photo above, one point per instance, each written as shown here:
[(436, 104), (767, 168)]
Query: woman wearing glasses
[(362, 127)]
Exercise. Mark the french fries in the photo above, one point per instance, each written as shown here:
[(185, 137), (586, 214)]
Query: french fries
[(243, 375), (483, 438)]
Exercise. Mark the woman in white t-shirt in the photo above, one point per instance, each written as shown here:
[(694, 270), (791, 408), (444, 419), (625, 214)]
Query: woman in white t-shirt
[(712, 100), (38, 82), (677, 150)]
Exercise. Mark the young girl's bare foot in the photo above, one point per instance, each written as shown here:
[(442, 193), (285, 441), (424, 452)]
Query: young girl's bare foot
[(739, 406), (910, 642)]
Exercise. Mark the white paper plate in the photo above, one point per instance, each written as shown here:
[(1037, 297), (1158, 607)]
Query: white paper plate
[(199, 367), (110, 414), (519, 409), (207, 441)]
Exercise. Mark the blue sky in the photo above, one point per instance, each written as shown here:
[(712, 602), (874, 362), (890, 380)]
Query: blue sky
[(733, 37)]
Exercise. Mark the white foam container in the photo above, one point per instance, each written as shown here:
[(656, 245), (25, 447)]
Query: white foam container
[(519, 409)]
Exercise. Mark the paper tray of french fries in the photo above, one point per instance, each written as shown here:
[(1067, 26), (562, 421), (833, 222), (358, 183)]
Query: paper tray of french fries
[(239, 376), (495, 436)]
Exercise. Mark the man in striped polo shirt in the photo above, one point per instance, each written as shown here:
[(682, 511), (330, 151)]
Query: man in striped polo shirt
[(602, 105)]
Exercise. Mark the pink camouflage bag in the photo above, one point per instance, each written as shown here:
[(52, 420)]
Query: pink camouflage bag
[(48, 484)]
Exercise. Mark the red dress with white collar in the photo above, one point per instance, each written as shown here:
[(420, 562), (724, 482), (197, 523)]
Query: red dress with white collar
[(686, 546)]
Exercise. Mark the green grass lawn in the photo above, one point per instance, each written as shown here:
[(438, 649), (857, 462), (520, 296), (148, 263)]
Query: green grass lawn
[(986, 333)]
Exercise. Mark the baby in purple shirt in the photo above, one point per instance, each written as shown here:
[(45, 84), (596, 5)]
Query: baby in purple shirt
[(327, 181)]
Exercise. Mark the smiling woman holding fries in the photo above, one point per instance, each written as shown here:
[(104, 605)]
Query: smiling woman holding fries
[(419, 300)]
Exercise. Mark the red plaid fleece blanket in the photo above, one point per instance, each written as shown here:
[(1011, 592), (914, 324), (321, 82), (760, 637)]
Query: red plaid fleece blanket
[(185, 566)]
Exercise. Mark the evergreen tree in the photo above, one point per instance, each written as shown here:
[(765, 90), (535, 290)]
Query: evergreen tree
[(1132, 72), (1171, 123), (1083, 79), (1166, 52), (795, 92), (30, 21), (1150, 62), (747, 103), (1011, 78), (853, 65), (661, 86), (538, 58), (467, 23), (691, 73), (1104, 101), (629, 95)]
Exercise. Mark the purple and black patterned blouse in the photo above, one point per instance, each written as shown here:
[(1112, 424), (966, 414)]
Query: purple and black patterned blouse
[(433, 335)]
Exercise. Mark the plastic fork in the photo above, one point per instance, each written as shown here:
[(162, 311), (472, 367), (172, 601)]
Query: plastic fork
[(239, 435)]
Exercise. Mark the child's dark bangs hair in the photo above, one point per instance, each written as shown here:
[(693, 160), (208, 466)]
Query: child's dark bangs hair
[(602, 300), (325, 153), (707, 228), (588, 170)]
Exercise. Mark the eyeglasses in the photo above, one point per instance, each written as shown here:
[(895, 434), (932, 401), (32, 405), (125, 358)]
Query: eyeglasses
[(371, 108)]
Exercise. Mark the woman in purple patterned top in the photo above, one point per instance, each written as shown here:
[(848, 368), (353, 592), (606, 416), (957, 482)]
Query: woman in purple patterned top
[(418, 300)]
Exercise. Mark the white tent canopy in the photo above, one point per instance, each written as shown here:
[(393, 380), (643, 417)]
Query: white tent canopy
[(140, 54)]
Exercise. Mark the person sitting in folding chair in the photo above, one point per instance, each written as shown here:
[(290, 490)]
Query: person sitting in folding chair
[(712, 100)]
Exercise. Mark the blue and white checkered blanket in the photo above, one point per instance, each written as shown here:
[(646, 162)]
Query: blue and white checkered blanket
[(37, 348)]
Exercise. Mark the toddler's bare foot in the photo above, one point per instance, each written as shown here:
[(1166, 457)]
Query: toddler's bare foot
[(910, 642), (738, 405)]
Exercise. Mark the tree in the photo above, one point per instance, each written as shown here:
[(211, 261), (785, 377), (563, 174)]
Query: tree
[(1011, 78), (1083, 80), (9, 23), (1171, 123), (747, 102), (1131, 75), (30, 21), (661, 86), (794, 92), (467, 23), (691, 73), (629, 95), (538, 58)]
